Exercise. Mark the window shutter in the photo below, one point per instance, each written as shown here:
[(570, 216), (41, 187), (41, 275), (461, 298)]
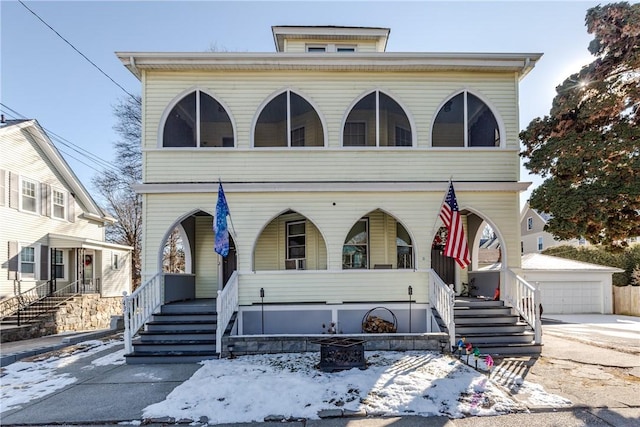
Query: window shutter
[(45, 200), (3, 187), (71, 208), (44, 262), (14, 195), (13, 261)]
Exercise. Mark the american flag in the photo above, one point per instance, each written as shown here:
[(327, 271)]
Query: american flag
[(456, 246)]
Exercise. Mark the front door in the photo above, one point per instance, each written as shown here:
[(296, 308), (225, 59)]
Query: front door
[(88, 280)]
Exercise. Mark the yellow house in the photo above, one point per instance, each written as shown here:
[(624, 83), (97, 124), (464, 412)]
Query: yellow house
[(335, 157)]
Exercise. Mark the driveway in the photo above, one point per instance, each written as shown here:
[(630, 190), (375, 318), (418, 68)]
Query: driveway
[(594, 361)]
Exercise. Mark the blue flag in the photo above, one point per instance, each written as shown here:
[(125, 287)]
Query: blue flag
[(220, 228)]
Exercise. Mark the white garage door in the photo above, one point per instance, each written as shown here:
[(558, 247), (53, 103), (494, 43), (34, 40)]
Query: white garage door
[(571, 297)]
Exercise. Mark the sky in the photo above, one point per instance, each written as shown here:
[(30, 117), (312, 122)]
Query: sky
[(250, 388), (44, 78)]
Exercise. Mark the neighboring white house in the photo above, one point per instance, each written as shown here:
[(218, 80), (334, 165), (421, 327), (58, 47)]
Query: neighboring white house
[(51, 230), (335, 157), (568, 286), (534, 238)]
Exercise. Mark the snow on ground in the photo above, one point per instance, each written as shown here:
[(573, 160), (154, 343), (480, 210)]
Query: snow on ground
[(250, 388), (24, 381)]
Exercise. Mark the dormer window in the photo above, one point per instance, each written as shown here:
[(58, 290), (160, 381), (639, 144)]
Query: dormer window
[(332, 48), (198, 120), (316, 49)]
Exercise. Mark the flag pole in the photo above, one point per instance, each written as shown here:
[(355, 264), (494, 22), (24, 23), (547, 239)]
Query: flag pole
[(230, 218), (446, 191)]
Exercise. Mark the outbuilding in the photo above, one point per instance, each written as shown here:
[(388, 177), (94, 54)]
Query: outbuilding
[(568, 286)]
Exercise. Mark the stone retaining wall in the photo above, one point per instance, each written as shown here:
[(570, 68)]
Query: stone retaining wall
[(261, 344), (83, 313)]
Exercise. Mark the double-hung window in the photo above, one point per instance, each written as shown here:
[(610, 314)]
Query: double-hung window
[(58, 264), (28, 262), (58, 204), (296, 240), (29, 196)]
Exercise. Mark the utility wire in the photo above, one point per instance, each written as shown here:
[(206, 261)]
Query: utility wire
[(76, 148), (81, 54)]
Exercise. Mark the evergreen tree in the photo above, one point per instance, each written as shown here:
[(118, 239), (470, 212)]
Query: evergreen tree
[(588, 146)]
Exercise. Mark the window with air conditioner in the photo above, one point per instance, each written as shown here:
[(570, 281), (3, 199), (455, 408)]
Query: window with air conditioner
[(296, 245)]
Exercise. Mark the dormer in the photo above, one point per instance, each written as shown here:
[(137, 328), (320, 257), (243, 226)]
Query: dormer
[(329, 39)]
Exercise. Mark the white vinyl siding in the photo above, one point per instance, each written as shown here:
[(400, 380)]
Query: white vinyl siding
[(300, 46), (206, 259)]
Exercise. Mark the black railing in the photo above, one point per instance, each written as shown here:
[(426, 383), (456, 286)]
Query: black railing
[(42, 299)]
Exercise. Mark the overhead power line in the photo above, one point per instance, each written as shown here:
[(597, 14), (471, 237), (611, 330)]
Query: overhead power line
[(97, 160), (81, 54)]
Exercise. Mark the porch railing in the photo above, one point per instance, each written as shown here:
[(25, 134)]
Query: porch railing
[(226, 305), (22, 304), (525, 299), (442, 298), (140, 305)]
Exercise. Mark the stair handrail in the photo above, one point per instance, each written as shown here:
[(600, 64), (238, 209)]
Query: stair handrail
[(15, 304), (226, 305), (140, 306), (525, 299), (442, 298)]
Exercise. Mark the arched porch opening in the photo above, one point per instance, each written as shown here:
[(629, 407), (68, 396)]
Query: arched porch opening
[(290, 241), (378, 240), (191, 267)]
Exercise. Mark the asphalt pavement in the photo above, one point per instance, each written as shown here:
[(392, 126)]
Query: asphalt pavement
[(118, 394)]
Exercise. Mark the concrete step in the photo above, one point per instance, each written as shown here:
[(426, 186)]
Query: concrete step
[(172, 346), (148, 336), (169, 357), (181, 326)]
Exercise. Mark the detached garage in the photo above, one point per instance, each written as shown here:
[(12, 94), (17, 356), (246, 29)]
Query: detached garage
[(568, 286)]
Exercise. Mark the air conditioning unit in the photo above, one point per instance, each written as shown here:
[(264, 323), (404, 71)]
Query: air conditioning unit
[(296, 264)]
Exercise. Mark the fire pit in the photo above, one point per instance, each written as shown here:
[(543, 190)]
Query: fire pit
[(338, 354)]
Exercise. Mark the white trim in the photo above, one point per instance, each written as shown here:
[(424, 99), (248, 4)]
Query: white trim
[(394, 187), (36, 261)]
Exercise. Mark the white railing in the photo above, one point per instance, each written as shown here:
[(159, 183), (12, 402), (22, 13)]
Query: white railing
[(525, 299), (226, 305), (442, 298), (140, 305)]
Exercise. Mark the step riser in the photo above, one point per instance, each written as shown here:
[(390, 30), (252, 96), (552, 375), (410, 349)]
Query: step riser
[(530, 350), (138, 360), (156, 348), (491, 329), (147, 338), (497, 311), (199, 308), (504, 339), (485, 320), (479, 304), (174, 317), (180, 327)]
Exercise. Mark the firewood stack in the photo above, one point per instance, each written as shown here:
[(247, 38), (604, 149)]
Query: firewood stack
[(377, 325)]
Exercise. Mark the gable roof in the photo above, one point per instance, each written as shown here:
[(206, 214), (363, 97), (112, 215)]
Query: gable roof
[(535, 261), (90, 208), (545, 217)]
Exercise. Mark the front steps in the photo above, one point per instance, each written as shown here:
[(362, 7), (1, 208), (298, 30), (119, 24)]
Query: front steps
[(492, 327), (35, 312), (183, 332)]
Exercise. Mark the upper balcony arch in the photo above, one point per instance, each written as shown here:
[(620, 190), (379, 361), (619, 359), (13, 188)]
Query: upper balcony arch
[(195, 118), (467, 119), (376, 119), (288, 119)]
